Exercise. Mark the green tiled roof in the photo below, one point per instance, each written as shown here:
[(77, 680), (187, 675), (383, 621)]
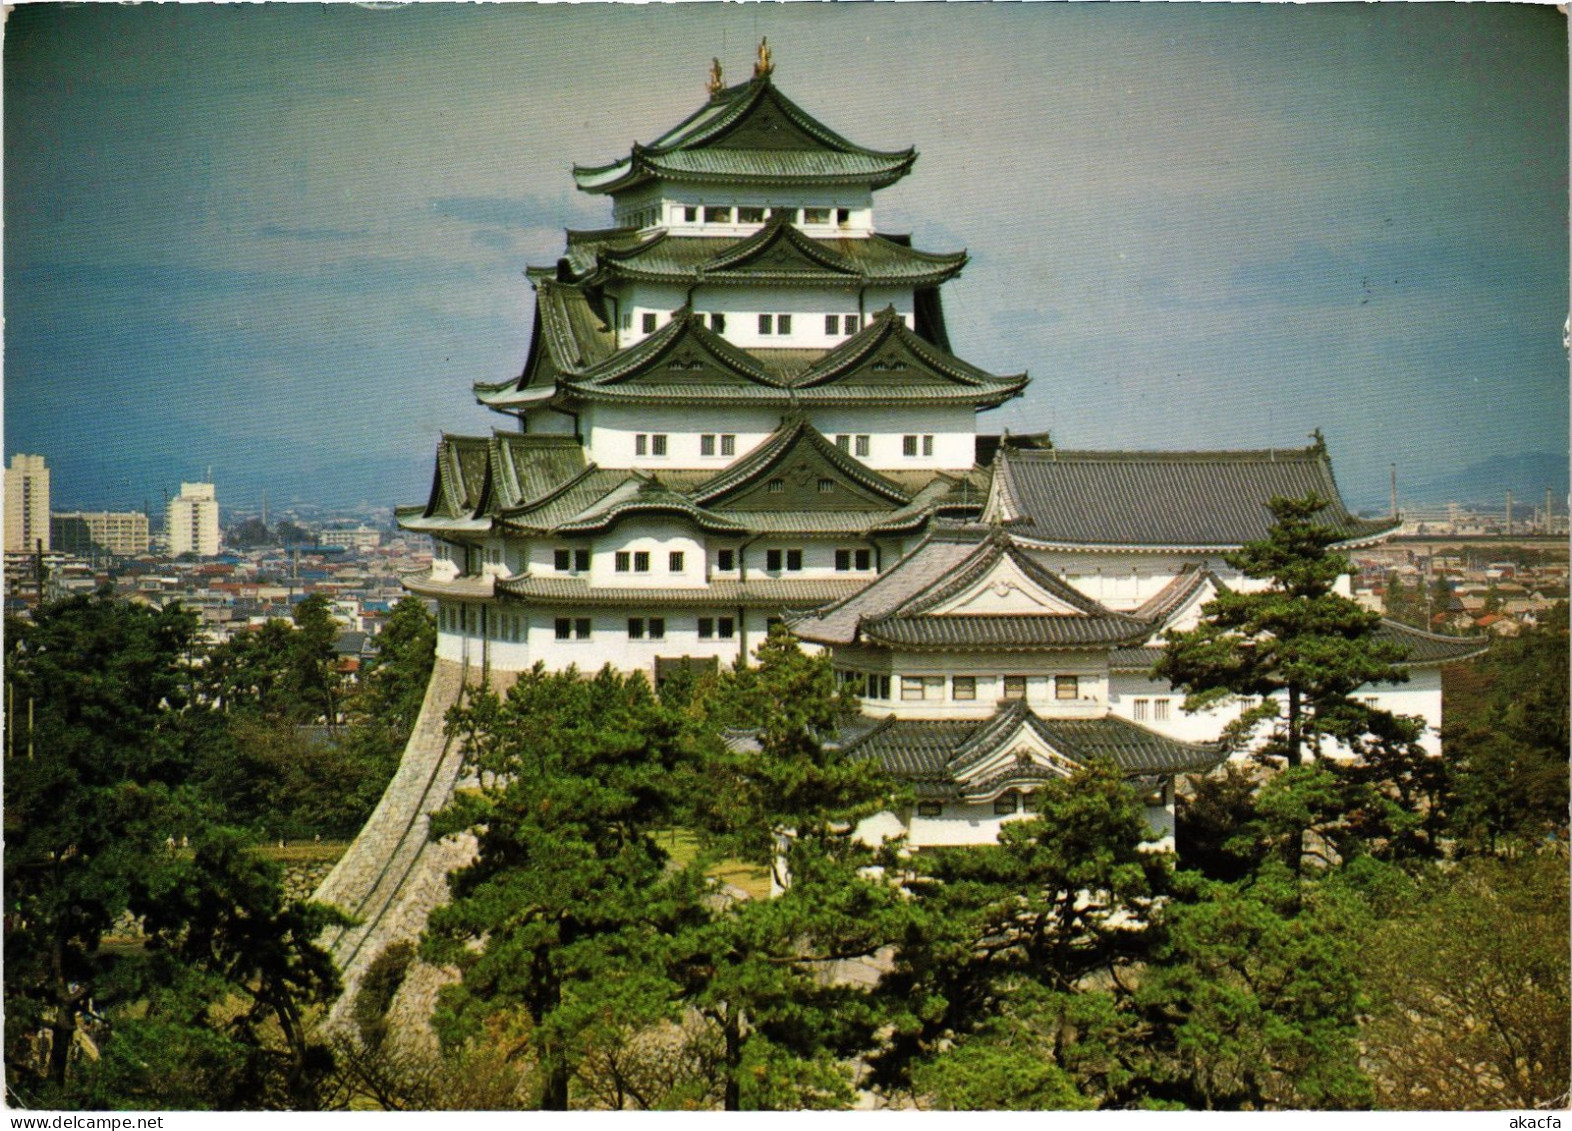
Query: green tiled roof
[(794, 436), (539, 483), (1427, 648), (777, 253), (1183, 500), (749, 134), (897, 610), (937, 755)]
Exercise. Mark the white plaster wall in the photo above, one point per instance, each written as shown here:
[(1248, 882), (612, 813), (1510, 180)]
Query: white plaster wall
[(610, 430), (676, 197), (659, 538), (1088, 668), (953, 428)]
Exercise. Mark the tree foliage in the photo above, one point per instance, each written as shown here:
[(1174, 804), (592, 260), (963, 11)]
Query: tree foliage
[(1296, 637), (202, 1001)]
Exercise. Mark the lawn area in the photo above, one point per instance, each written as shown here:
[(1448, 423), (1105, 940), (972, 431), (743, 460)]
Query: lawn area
[(683, 846), (302, 852)]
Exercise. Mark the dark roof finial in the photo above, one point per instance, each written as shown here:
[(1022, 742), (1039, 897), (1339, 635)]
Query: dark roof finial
[(1319, 446), (716, 83), (764, 65)]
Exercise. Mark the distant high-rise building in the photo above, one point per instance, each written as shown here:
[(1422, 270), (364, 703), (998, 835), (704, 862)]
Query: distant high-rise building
[(26, 504), (121, 533), (191, 522)]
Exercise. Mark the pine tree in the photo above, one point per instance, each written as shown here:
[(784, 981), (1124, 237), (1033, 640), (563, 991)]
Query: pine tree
[(1297, 636)]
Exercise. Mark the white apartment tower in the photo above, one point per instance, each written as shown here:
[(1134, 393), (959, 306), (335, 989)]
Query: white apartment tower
[(191, 522), (26, 504)]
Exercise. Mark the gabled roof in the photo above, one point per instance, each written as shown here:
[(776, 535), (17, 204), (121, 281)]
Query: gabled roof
[(1428, 649), (642, 494), (962, 758), (1161, 500), (749, 134), (885, 358), (936, 598), (799, 455), (570, 333)]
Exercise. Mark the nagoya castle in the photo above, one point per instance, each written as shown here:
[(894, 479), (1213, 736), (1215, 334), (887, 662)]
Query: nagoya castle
[(740, 407)]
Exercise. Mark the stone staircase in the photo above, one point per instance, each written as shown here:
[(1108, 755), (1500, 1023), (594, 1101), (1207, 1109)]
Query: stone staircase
[(394, 874)]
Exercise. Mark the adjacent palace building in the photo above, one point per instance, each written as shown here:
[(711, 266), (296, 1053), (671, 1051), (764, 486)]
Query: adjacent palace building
[(740, 407)]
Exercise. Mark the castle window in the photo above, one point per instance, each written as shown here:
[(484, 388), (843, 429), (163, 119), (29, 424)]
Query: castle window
[(718, 322), (908, 445), (1160, 710), (747, 215), (718, 215), (772, 561), (826, 486), (658, 444), (793, 560), (648, 322), (641, 444), (843, 216), (725, 560), (641, 561), (963, 687), (707, 445), (725, 628), (706, 628), (843, 442), (564, 628), (776, 486), (657, 628), (766, 323), (815, 215), (728, 444), (562, 560), (915, 687), (624, 561), (927, 445), (842, 561), (1015, 687), (581, 560), (832, 324), (1138, 710), (674, 561), (690, 214), (929, 808), (1007, 803), (783, 324), (577, 629), (863, 559), (635, 628), (876, 687), (1066, 687)]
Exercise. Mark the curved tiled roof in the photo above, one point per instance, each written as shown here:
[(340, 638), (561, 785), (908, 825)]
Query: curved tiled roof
[(1428, 648), (936, 755), (897, 610), (1183, 500), (749, 134)]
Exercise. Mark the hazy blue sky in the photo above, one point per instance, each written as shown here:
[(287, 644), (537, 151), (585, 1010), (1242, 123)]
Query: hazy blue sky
[(283, 240)]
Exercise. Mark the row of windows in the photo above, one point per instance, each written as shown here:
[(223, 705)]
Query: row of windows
[(770, 325), (638, 561), (725, 444), (964, 687), (568, 560), (755, 214), (647, 628)]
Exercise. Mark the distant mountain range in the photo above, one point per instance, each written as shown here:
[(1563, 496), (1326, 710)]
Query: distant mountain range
[(1486, 483)]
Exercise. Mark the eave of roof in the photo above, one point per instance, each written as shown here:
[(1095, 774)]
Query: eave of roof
[(721, 593), (694, 150)]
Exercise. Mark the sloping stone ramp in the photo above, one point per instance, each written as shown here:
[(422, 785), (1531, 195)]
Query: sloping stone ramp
[(394, 874)]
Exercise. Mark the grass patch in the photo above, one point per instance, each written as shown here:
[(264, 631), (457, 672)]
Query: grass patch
[(683, 846), (323, 852)]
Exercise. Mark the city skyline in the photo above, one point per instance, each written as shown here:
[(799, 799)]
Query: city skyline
[(284, 241)]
